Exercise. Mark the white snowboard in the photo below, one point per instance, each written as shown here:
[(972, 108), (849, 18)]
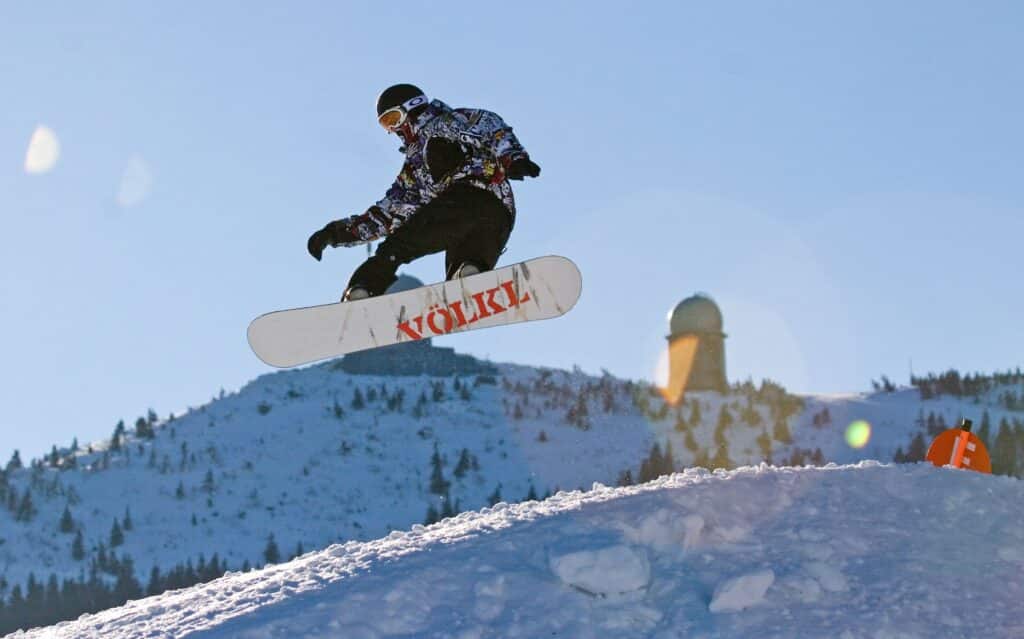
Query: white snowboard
[(540, 288)]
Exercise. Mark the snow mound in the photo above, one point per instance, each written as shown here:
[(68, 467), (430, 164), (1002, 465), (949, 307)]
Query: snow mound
[(742, 592), (865, 550), (603, 572)]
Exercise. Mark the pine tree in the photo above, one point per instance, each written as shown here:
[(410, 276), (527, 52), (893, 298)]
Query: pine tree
[(721, 458), (578, 414), (725, 418), (208, 484), (463, 464), (681, 426), (701, 459), (517, 411), (447, 509), (358, 403), (26, 509), (750, 415), (271, 553), (495, 497), (695, 415), (532, 495), (984, 431), (917, 449), (180, 491), (765, 443), (1004, 453), (781, 432), (668, 460), (127, 523), (67, 525), (52, 600), (116, 536), (126, 587), (115, 439), (419, 409), (15, 462), (218, 567), (432, 516), (144, 429), (154, 587), (689, 441), (438, 484), (78, 547), (625, 478)]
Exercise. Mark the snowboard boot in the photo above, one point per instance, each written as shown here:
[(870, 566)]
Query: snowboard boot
[(355, 293), (466, 269)]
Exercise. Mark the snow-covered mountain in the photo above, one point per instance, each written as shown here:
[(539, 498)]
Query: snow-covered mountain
[(867, 550), (297, 460)]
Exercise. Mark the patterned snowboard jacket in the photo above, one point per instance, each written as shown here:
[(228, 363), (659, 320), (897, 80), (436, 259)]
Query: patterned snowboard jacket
[(464, 145)]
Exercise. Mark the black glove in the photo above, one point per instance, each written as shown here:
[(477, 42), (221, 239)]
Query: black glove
[(335, 232), (521, 167)]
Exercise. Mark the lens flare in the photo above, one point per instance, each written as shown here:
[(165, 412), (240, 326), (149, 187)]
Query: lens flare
[(136, 183), (681, 353), (43, 151), (858, 433)]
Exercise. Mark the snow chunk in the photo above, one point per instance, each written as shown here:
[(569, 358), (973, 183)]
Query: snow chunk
[(665, 530), (742, 592), (490, 598), (608, 571), (830, 577), (804, 589), (1011, 553)]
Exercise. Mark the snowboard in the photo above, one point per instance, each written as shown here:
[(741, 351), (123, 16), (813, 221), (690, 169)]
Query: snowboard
[(540, 288)]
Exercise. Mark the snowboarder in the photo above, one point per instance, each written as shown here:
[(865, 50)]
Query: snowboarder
[(451, 195)]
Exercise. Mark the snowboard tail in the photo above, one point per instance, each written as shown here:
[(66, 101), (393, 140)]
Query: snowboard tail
[(536, 289)]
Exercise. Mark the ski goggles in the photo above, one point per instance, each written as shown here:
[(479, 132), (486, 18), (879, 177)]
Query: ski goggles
[(396, 116)]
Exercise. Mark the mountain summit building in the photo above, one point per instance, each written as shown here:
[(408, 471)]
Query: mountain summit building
[(412, 358), (696, 347)]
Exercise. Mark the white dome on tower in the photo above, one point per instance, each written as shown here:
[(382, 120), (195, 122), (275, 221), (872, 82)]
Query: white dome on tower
[(696, 314)]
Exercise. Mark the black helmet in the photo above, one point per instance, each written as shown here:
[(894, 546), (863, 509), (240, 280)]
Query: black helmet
[(397, 95)]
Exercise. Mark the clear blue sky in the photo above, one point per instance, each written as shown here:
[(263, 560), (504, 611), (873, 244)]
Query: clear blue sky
[(843, 177)]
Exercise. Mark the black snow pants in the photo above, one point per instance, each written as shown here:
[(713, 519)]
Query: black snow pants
[(469, 223)]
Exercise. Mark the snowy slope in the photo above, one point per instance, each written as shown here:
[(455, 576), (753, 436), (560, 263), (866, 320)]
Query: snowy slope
[(284, 460), (865, 550)]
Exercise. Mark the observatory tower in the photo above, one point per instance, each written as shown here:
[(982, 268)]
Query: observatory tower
[(696, 347)]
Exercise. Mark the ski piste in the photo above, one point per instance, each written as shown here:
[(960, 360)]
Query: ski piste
[(540, 288)]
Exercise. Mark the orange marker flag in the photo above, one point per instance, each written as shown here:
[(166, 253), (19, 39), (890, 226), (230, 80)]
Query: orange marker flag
[(960, 448)]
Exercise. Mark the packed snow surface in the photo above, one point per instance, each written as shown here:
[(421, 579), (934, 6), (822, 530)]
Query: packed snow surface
[(865, 550)]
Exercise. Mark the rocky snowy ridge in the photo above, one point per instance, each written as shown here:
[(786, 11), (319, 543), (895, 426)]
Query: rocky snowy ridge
[(864, 550)]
